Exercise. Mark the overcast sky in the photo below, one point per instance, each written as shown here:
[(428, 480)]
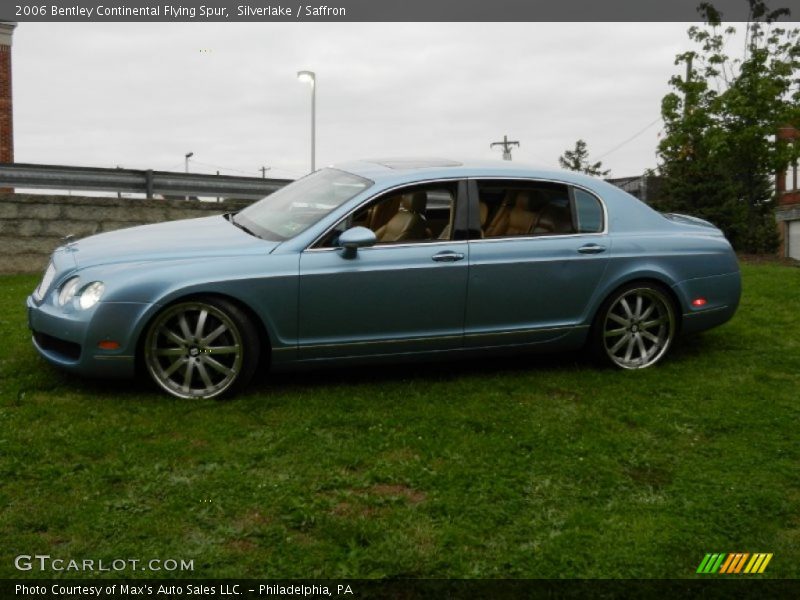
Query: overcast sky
[(142, 95)]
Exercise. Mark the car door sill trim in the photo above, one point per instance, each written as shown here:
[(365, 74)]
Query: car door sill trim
[(443, 337)]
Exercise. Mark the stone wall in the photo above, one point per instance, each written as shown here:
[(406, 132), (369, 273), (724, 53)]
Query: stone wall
[(32, 226)]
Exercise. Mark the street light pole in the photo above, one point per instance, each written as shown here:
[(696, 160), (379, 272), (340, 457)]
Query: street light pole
[(186, 157), (310, 77)]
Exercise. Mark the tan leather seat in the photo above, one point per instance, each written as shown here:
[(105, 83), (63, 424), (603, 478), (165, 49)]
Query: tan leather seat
[(513, 220), (409, 222), (499, 222), (521, 219), (380, 214), (484, 209), (553, 220)]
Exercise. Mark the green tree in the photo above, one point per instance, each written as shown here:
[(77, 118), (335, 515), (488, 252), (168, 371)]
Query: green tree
[(578, 160), (719, 150)]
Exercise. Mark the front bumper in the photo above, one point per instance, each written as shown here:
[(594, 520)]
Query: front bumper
[(69, 340)]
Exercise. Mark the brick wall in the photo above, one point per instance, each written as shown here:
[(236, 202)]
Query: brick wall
[(6, 110), (32, 226)]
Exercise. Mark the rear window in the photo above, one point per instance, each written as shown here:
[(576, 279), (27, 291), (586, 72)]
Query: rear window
[(588, 212), (518, 208)]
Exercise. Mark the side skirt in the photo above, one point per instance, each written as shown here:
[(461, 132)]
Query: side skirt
[(572, 338)]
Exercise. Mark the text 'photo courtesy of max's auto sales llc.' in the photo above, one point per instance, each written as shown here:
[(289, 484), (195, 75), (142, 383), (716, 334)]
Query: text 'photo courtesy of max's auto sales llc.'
[(190, 590)]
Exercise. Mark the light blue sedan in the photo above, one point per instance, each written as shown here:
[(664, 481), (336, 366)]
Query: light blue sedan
[(385, 259)]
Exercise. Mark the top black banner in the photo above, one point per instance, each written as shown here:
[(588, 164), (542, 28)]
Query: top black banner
[(370, 10)]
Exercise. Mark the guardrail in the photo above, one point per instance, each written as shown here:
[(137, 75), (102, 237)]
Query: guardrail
[(148, 182)]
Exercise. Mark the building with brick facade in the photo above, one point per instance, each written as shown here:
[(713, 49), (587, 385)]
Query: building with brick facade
[(787, 212), (6, 106)]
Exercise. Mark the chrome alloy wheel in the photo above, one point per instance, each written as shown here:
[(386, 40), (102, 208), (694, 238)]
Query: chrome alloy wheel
[(194, 350), (638, 327)]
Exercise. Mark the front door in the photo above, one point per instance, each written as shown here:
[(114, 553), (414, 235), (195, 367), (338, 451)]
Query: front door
[(405, 294)]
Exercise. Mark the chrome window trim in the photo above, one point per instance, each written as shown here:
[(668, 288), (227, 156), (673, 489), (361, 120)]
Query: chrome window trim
[(604, 232), (543, 236), (392, 245), (310, 247)]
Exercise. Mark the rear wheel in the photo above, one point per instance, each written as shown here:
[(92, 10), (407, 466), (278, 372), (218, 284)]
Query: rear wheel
[(202, 348), (635, 327)]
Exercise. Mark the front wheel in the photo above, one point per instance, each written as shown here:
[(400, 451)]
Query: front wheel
[(202, 348), (635, 326)]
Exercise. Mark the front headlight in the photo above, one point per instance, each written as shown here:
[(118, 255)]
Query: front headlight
[(68, 290), (87, 296), (91, 294)]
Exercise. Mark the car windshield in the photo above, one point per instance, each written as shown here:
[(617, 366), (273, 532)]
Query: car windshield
[(294, 208)]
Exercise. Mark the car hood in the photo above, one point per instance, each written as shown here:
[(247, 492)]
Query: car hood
[(205, 237)]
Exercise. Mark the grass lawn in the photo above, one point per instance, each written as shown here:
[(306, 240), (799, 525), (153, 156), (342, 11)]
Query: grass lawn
[(527, 467)]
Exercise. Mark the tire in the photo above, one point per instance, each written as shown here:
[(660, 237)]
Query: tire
[(201, 348), (635, 326)]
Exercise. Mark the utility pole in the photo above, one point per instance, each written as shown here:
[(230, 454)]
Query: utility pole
[(264, 172), (506, 147), (311, 77)]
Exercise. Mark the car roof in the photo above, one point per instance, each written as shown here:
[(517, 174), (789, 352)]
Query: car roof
[(409, 169), (626, 213)]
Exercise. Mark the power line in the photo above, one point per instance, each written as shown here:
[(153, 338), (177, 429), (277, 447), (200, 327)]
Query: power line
[(630, 139), (197, 162)]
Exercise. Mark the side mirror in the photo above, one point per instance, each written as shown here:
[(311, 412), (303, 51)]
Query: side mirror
[(356, 237)]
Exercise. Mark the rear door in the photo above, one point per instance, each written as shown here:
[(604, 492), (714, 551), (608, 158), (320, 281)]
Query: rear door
[(543, 251)]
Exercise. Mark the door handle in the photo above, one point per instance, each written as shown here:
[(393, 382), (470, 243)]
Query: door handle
[(592, 249), (448, 256)]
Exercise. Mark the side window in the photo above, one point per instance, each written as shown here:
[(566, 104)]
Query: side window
[(791, 178), (513, 208), (588, 212), (422, 213)]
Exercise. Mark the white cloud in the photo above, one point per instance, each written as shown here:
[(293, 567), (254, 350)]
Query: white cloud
[(141, 95)]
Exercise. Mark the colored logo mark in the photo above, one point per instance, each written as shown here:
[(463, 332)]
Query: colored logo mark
[(735, 562)]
